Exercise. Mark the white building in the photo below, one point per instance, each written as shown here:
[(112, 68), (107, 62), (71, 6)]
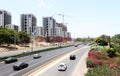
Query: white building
[(39, 31)]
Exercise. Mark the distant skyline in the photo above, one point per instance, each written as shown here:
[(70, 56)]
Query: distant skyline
[(84, 17)]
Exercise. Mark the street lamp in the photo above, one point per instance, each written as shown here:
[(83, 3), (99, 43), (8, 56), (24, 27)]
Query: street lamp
[(32, 34)]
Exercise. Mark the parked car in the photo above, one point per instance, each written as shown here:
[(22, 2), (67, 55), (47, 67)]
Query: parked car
[(62, 67), (20, 65), (72, 57), (10, 60), (35, 56)]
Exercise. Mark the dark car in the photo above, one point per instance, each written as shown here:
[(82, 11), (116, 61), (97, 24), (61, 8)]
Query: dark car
[(72, 57), (35, 56), (20, 65), (10, 60)]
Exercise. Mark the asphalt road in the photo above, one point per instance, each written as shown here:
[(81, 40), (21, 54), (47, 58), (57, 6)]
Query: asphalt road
[(7, 70), (52, 69)]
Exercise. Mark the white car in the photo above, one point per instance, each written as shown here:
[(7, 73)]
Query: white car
[(62, 67)]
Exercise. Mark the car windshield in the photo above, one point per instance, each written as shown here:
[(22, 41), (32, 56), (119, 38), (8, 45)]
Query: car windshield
[(18, 63), (8, 58), (61, 65), (36, 54)]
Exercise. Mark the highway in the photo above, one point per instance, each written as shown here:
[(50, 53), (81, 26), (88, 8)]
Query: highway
[(52, 68), (7, 70)]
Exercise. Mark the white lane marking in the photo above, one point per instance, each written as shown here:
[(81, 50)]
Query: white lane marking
[(51, 64), (2, 62)]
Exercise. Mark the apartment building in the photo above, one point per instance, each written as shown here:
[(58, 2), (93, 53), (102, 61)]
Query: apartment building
[(49, 26), (28, 23), (5, 18), (39, 31)]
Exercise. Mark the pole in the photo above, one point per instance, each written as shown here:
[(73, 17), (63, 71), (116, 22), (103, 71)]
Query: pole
[(15, 39)]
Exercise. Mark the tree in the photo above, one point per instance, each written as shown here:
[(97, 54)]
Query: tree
[(116, 39), (105, 38), (24, 37), (7, 36), (116, 42)]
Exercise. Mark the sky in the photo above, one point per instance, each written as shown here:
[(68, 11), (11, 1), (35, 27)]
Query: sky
[(83, 17)]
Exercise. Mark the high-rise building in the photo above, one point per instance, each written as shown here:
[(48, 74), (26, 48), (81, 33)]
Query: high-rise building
[(39, 31), (68, 34), (5, 18), (49, 27), (28, 23), (58, 30)]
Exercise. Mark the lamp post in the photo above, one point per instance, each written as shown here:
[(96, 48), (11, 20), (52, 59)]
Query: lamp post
[(15, 39), (32, 41)]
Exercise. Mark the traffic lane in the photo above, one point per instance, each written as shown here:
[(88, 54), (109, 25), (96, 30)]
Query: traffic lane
[(19, 73), (43, 54), (71, 65), (29, 59)]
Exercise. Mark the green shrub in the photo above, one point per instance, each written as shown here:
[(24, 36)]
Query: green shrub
[(111, 52), (116, 47), (90, 64)]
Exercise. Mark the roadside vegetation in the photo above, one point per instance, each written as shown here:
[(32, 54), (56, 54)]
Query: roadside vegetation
[(10, 36), (104, 56)]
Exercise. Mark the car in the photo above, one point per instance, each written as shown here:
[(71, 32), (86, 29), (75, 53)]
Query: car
[(72, 57), (20, 65), (62, 67), (35, 56), (10, 60), (76, 45)]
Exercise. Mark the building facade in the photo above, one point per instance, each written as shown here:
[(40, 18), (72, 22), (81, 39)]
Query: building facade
[(5, 18), (28, 23), (11, 26), (49, 27), (53, 30), (68, 34), (39, 31), (58, 30)]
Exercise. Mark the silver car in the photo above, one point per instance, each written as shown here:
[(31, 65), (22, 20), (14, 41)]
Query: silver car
[(35, 56), (62, 67)]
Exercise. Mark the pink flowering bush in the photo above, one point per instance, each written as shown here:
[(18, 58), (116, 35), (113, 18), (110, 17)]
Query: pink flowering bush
[(96, 59)]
